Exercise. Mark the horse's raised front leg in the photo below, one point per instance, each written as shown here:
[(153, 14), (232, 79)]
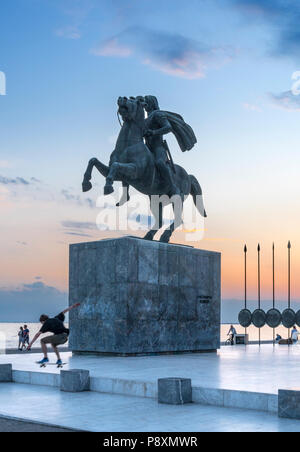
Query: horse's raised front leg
[(103, 169), (86, 184), (119, 171)]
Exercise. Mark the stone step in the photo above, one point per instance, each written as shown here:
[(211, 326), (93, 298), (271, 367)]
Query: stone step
[(229, 398), (205, 396)]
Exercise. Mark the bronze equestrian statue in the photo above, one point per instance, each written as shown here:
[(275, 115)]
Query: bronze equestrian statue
[(144, 165)]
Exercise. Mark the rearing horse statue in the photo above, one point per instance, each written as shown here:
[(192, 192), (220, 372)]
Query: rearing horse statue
[(134, 165)]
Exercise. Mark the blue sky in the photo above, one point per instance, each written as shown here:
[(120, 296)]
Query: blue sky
[(226, 66)]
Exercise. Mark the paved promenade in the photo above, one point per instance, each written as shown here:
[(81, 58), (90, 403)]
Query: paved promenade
[(105, 413), (124, 390), (262, 369)]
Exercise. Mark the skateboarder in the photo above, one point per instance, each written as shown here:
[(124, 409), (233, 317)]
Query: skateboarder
[(60, 334)]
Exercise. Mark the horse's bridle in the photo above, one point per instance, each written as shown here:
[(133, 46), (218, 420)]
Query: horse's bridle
[(118, 116)]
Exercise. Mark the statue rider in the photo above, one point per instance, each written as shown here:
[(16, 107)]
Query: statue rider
[(157, 125)]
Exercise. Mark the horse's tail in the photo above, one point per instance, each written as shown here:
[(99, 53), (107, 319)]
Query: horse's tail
[(196, 193)]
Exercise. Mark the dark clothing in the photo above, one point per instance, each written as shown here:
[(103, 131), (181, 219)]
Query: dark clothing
[(26, 336), (182, 131), (55, 339), (55, 325), (168, 122), (158, 122)]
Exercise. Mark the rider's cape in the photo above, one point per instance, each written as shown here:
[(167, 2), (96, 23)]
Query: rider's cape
[(182, 131)]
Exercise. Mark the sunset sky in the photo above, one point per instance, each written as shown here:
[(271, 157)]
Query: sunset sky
[(226, 66)]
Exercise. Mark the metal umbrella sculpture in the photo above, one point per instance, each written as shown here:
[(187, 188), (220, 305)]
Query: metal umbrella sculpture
[(289, 315), (258, 316), (273, 317), (245, 316)]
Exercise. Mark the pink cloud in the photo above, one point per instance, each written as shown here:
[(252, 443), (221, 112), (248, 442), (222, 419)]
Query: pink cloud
[(189, 67), (171, 54), (112, 48), (286, 100)]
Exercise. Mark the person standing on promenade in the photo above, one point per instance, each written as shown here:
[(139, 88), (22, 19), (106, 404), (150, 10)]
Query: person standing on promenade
[(21, 339), (26, 335), (60, 334), (232, 333), (294, 335)]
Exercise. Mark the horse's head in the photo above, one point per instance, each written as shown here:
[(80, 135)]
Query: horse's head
[(132, 109)]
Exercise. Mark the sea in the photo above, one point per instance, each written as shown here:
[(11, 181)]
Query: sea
[(9, 333)]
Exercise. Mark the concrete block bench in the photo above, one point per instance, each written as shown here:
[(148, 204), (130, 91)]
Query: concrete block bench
[(74, 380), (175, 391), (5, 373), (289, 403)]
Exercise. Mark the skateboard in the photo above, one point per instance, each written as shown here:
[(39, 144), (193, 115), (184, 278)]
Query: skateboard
[(59, 366)]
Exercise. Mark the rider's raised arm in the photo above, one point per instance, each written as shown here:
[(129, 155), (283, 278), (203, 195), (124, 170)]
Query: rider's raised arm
[(163, 122)]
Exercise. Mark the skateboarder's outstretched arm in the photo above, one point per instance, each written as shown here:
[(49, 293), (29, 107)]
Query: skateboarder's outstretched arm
[(33, 340), (71, 307)]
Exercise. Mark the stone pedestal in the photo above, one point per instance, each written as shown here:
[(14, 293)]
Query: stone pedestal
[(289, 403), (142, 297), (175, 391), (5, 373), (75, 380)]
